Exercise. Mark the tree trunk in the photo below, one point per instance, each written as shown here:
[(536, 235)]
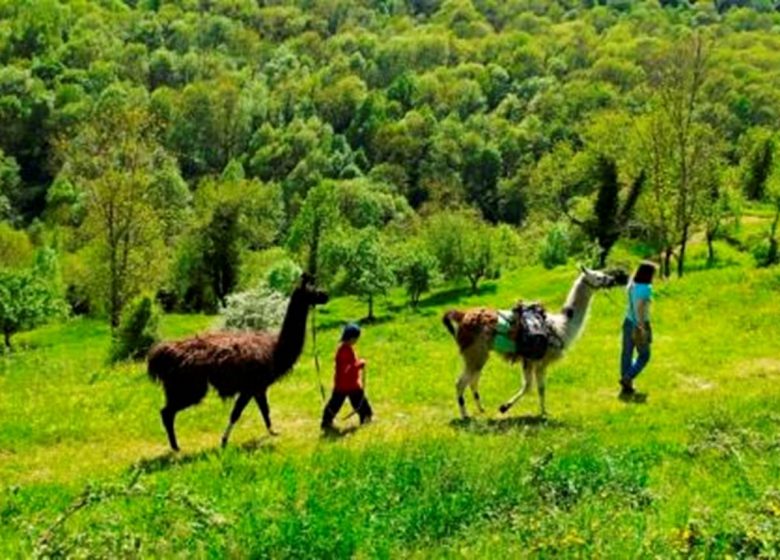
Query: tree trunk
[(681, 260), (370, 308), (667, 262), (710, 247), (474, 281), (7, 334)]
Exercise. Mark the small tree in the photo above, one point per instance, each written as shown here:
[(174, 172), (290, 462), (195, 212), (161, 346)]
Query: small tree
[(479, 257), (417, 271), (758, 164), (29, 297), (369, 269), (138, 330), (773, 194), (555, 249), (319, 215), (463, 246)]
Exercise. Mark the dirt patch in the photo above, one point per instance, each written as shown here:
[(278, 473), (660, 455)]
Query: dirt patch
[(697, 383), (758, 367)]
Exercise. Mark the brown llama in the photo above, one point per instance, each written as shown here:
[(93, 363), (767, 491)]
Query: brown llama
[(234, 363)]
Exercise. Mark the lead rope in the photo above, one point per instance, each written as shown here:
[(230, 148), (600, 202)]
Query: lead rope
[(316, 354)]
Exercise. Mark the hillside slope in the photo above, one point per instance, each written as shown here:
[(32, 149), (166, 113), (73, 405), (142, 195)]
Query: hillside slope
[(694, 469)]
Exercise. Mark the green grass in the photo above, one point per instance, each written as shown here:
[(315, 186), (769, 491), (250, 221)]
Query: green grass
[(694, 471)]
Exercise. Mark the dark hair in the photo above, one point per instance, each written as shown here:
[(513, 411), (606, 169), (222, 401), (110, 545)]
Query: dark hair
[(644, 273), (351, 331)]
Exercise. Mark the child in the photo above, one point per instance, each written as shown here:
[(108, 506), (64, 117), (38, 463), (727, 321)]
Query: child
[(347, 381)]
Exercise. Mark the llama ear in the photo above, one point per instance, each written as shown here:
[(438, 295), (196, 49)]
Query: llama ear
[(307, 280)]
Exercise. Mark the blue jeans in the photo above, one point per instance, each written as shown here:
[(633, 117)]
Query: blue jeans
[(629, 368)]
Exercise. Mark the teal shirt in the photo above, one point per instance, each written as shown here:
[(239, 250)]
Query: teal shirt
[(637, 293)]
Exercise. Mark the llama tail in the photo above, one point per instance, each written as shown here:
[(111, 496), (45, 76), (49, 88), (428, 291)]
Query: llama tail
[(451, 317), (159, 363)]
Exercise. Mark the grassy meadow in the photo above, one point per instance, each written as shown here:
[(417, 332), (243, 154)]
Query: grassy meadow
[(694, 471)]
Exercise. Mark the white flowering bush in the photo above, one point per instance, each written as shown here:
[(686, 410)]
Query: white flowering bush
[(258, 309)]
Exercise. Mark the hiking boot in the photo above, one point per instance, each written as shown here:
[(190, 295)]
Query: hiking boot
[(626, 388)]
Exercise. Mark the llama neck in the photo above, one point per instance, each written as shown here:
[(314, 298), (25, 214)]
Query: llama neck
[(292, 335), (576, 309)]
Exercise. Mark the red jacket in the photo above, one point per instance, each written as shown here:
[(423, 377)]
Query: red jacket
[(348, 368)]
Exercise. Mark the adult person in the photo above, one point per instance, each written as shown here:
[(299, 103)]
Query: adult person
[(637, 332)]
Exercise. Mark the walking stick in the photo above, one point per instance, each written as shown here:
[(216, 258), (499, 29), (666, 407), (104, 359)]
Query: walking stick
[(316, 354)]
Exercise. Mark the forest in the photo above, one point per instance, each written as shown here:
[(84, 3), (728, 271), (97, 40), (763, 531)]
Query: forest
[(165, 148)]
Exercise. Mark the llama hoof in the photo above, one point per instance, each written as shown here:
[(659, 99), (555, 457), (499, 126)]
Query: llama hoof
[(273, 433), (503, 409), (224, 443)]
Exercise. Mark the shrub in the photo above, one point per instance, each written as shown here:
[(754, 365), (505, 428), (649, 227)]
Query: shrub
[(418, 269), (258, 309), (556, 247), (137, 331)]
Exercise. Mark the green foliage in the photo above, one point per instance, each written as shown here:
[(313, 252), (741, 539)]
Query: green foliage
[(16, 251), (138, 330), (207, 266), (283, 276), (319, 217), (368, 268), (30, 296), (112, 160), (9, 185), (758, 164), (555, 249), (463, 245), (417, 271)]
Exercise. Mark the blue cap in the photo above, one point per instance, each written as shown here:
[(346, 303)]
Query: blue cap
[(351, 331)]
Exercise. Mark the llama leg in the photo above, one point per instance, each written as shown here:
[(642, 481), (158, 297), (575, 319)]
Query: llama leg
[(460, 386), (541, 379), (262, 403), (238, 408), (527, 382), (168, 415), (475, 392), (474, 359)]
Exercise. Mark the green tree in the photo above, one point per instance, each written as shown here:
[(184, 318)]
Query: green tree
[(610, 216), (112, 160), (479, 260), (417, 270), (683, 146), (368, 267), (319, 216), (481, 171), (758, 164), (463, 246)]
